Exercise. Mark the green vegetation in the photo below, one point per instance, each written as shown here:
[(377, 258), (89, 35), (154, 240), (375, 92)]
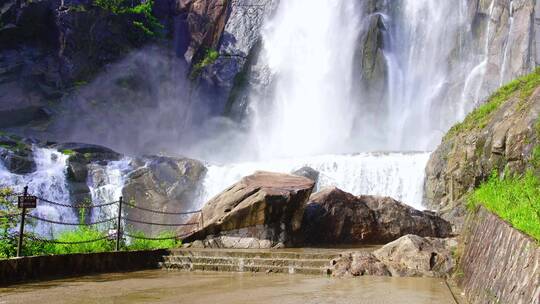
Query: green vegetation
[(68, 152), (141, 244), (210, 57), (515, 199), (80, 235), (149, 25), (535, 159), (479, 118)]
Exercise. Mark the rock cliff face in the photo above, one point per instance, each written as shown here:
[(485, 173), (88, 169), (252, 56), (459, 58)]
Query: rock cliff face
[(500, 136), (48, 46)]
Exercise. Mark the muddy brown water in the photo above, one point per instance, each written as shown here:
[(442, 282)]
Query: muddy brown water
[(160, 286)]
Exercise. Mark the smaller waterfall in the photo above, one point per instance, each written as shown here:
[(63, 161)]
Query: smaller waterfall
[(398, 175), (106, 183), (49, 182)]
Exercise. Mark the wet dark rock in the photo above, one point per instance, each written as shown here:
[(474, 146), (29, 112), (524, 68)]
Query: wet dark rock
[(16, 154), (90, 152), (18, 161)]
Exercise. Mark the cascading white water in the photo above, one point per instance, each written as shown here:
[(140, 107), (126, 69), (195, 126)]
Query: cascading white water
[(106, 183), (49, 182), (309, 48), (398, 175), (422, 38)]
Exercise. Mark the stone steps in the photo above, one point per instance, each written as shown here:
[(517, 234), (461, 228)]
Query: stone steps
[(319, 263), (245, 253), (268, 261), (251, 268)]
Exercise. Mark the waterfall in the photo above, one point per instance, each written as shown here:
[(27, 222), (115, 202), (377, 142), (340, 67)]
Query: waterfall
[(308, 47), (398, 175), (49, 182)]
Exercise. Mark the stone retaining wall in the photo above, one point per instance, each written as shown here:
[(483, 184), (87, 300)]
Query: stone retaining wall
[(499, 264), (56, 266)]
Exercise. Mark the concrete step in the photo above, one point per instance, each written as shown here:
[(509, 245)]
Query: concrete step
[(310, 263), (263, 254), (245, 268)]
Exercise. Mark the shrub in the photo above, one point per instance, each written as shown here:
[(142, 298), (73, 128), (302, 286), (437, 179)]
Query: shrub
[(149, 25), (142, 244), (80, 235)]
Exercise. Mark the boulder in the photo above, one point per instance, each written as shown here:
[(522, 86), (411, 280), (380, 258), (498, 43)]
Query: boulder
[(165, 184), (395, 219), (90, 152), (18, 161), (358, 264), (265, 207), (308, 172), (333, 216), (408, 256), (416, 256)]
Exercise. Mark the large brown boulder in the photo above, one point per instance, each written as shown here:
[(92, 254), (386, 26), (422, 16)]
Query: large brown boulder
[(333, 216), (264, 208)]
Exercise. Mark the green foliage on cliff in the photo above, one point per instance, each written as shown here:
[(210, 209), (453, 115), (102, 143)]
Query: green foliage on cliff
[(149, 25), (522, 87), (515, 199), (210, 57)]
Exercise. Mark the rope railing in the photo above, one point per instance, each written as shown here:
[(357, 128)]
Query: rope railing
[(70, 224), (81, 206), (161, 212), (158, 224), (139, 237), (38, 239), (117, 234)]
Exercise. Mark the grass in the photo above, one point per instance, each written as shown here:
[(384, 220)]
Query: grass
[(515, 199), (535, 157), (479, 118)]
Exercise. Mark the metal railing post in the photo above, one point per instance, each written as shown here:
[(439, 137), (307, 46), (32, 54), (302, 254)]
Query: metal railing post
[(119, 224), (21, 226)]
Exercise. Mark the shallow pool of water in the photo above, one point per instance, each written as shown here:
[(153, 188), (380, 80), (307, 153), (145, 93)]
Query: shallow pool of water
[(160, 286)]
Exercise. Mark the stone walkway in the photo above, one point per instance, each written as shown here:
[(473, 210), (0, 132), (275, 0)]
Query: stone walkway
[(159, 286)]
